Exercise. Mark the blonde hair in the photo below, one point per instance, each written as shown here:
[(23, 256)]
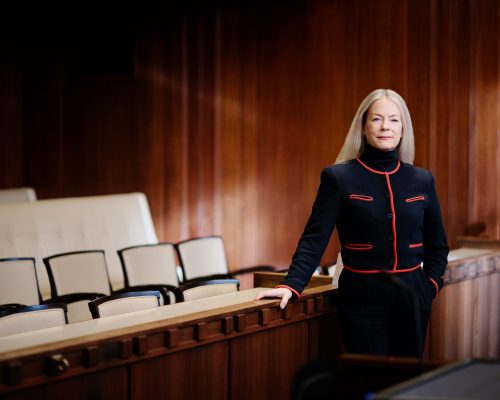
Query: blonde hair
[(354, 144)]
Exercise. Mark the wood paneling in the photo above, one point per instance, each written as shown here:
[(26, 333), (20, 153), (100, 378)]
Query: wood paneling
[(199, 373), (465, 319), (266, 360), (224, 112), (485, 143), (108, 384), (11, 113)]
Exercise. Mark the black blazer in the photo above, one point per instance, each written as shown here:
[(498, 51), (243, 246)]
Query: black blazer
[(386, 221)]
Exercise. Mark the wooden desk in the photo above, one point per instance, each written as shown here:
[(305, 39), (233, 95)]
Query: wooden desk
[(225, 347), (271, 279)]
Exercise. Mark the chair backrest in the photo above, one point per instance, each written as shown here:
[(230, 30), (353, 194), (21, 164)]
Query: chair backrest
[(317, 380), (149, 264), (17, 195), (336, 269), (78, 271), (121, 303), (42, 228), (202, 256), (31, 318), (207, 288), (18, 281), (78, 311)]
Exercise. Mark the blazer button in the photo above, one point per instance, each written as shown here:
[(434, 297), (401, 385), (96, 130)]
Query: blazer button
[(391, 261), (389, 215), (391, 238)]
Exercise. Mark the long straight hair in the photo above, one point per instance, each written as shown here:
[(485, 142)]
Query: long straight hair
[(354, 144)]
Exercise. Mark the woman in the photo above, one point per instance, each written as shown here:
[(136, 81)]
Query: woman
[(388, 218)]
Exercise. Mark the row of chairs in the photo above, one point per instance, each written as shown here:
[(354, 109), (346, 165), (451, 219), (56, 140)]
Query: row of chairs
[(77, 278), (16, 319)]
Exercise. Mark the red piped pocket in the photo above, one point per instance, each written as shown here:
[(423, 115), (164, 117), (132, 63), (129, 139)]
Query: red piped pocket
[(358, 246), (416, 198), (414, 245), (360, 197)]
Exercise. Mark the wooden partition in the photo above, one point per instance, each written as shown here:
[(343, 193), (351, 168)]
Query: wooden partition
[(229, 347), (465, 319), (233, 347)]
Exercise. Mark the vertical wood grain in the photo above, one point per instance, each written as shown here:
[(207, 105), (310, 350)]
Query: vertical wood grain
[(178, 377), (231, 109), (11, 122), (109, 384), (274, 354), (485, 144)]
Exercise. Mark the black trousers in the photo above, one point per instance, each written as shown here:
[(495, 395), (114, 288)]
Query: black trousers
[(385, 314)]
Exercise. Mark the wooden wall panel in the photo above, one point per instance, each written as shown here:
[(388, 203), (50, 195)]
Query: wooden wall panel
[(224, 113), (273, 361), (231, 178), (178, 377), (485, 143), (282, 132), (106, 384), (447, 141), (11, 121), (159, 59)]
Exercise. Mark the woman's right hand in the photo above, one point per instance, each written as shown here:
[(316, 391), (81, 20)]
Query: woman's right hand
[(283, 293)]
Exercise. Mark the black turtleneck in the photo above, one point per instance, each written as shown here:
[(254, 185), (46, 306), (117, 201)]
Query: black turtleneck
[(379, 159)]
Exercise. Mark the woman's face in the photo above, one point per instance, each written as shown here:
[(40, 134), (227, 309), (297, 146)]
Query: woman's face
[(383, 125)]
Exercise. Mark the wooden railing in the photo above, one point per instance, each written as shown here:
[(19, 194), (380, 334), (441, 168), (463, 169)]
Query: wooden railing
[(225, 347)]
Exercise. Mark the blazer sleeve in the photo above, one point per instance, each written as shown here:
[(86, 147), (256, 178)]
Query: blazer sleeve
[(435, 244), (316, 235)]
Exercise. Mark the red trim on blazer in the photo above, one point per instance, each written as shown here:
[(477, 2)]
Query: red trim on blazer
[(393, 211), (435, 285), (413, 245), (358, 246), (413, 199), (360, 197), (379, 172), (395, 249), (378, 271), (288, 287)]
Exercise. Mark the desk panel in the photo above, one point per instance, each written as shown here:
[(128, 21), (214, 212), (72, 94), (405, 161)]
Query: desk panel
[(109, 384), (197, 373), (263, 365)]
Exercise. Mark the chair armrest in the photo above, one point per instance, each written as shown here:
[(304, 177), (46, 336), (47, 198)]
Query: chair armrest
[(164, 290), (11, 306), (73, 297)]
